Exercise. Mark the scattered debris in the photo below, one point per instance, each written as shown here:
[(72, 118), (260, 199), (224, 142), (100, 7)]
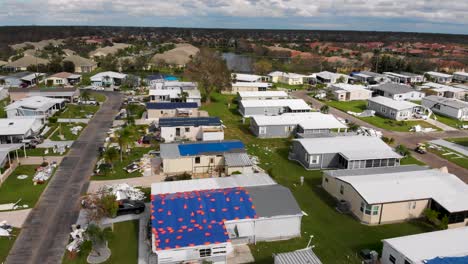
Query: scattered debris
[(22, 177), (5, 229), (77, 238), (365, 113), (418, 128), (124, 191), (44, 173), (76, 130)]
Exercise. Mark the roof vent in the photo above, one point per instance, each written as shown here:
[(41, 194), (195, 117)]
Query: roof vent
[(11, 123)]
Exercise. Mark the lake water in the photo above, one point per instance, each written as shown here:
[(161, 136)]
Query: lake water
[(239, 63)]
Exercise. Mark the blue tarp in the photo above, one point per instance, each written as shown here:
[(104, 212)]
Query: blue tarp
[(197, 218), (170, 105), (189, 121), (170, 78), (448, 260), (199, 148)]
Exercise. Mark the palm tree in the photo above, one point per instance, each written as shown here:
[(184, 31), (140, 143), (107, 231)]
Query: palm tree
[(85, 95), (110, 155), (97, 236), (125, 138)]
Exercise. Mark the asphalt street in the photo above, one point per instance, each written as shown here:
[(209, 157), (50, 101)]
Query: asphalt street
[(46, 230)]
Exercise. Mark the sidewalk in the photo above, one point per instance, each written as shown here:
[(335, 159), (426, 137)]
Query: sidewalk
[(458, 148), (15, 218), (138, 181), (440, 125)]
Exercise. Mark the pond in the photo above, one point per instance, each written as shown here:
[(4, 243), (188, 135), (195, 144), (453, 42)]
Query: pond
[(239, 62)]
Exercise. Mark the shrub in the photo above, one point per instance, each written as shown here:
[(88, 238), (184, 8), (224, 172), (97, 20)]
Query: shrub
[(180, 177), (53, 119), (402, 150), (110, 205)]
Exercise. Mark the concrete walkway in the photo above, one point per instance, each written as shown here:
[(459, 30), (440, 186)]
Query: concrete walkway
[(458, 148), (138, 181), (33, 160), (440, 125), (15, 218)]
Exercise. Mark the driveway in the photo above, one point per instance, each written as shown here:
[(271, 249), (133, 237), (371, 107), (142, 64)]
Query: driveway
[(409, 139), (46, 230)]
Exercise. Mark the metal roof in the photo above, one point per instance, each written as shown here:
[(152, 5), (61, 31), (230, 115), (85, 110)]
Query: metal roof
[(38, 103), (445, 188), (7, 148), (263, 94), (421, 247), (351, 147), (309, 120), (246, 77), (100, 76), (394, 88), (454, 103), (301, 256), (394, 104), (350, 87), (439, 74), (238, 180), (18, 126), (273, 200), (250, 84), (366, 171), (237, 160), (293, 104), (189, 121), (163, 105)]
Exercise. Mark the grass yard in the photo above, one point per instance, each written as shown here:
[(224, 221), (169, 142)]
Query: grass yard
[(337, 237), (6, 243), (378, 121), (290, 86), (410, 160), (136, 110), (3, 103), (119, 172), (460, 159), (39, 152), (14, 189), (98, 97), (123, 245), (450, 121), (78, 111), (65, 130), (459, 141)]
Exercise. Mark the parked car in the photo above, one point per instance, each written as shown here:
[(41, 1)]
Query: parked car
[(88, 102), (130, 207)]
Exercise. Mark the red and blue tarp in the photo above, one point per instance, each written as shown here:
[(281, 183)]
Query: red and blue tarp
[(197, 218), (211, 147)]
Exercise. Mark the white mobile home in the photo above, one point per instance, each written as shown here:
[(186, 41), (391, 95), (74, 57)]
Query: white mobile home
[(14, 130), (448, 107), (108, 78), (207, 216), (191, 128), (445, 90), (35, 106), (404, 77), (164, 109), (350, 92), (398, 92), (264, 95), (289, 124), (393, 109), (438, 247), (272, 107), (331, 77), (248, 87), (343, 152), (460, 76), (439, 77)]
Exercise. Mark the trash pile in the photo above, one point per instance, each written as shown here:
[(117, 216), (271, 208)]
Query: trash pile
[(76, 130), (124, 191), (77, 238), (365, 113), (369, 132), (44, 173), (132, 167), (5, 229), (418, 128)]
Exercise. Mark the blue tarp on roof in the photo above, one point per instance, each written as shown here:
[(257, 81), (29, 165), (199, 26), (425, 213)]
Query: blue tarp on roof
[(448, 260), (209, 147), (189, 121), (170, 105), (197, 218)]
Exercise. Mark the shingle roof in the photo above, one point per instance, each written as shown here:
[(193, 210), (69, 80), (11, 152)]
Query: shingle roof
[(394, 88), (80, 61), (454, 103), (237, 160), (273, 200), (26, 61)]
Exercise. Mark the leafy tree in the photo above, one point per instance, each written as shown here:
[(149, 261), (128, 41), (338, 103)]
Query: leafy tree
[(353, 127), (126, 137), (263, 67), (110, 205), (210, 71), (97, 236), (55, 65), (324, 109), (110, 155), (68, 66), (402, 150)]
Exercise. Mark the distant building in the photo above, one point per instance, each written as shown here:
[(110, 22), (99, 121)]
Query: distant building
[(343, 152), (439, 77), (23, 63), (63, 79), (438, 247), (398, 92), (460, 76), (447, 107), (242, 77), (34, 106), (82, 65), (272, 107), (350, 92), (393, 109), (327, 77), (370, 77), (445, 90), (174, 91), (108, 78), (404, 77), (248, 87), (262, 95), (389, 195)]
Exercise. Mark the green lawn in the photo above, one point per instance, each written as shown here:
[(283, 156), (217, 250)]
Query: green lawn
[(14, 189), (65, 130), (119, 172), (337, 237), (98, 97), (290, 86), (78, 111), (123, 245), (136, 110), (450, 121), (410, 160), (460, 141), (39, 152), (378, 121), (460, 159), (6, 243), (3, 103)]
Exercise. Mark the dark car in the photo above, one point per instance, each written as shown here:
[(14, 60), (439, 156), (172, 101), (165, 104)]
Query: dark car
[(130, 207)]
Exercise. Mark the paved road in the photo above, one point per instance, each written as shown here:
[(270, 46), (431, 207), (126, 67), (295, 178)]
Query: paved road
[(45, 232), (408, 139)]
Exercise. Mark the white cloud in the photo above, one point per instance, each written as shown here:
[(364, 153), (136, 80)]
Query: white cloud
[(87, 11)]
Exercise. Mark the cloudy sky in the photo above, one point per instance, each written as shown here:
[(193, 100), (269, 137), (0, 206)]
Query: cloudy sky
[(445, 16)]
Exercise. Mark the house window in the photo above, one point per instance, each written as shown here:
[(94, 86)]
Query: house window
[(392, 259), (205, 252), (314, 159), (262, 130), (369, 209), (197, 160), (187, 129), (383, 109), (342, 189), (211, 160), (326, 179)]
